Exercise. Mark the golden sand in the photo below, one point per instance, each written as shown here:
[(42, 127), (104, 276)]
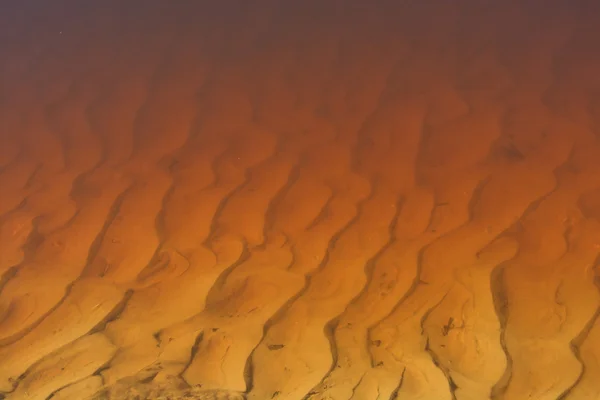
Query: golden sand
[(300, 200)]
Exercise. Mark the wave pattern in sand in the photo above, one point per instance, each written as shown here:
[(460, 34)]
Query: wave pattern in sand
[(300, 200)]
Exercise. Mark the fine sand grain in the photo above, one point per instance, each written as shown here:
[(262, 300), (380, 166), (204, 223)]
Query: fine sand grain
[(300, 200)]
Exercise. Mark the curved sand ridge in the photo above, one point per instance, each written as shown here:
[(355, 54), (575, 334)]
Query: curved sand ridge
[(310, 200)]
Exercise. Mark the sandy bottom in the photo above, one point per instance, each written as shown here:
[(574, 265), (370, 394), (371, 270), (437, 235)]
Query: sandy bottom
[(300, 200)]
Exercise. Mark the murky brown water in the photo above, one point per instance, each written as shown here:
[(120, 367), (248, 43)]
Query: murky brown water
[(300, 200)]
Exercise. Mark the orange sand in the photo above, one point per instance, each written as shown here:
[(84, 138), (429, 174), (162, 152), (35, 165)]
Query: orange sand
[(300, 200)]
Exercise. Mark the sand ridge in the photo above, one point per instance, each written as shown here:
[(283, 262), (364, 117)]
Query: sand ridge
[(215, 201)]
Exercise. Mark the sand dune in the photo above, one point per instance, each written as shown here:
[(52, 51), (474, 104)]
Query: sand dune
[(300, 200)]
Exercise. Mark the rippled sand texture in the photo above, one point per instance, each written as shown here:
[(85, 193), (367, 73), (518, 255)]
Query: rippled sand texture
[(300, 200)]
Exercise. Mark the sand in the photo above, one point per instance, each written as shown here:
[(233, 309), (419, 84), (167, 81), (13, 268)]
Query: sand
[(301, 200)]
